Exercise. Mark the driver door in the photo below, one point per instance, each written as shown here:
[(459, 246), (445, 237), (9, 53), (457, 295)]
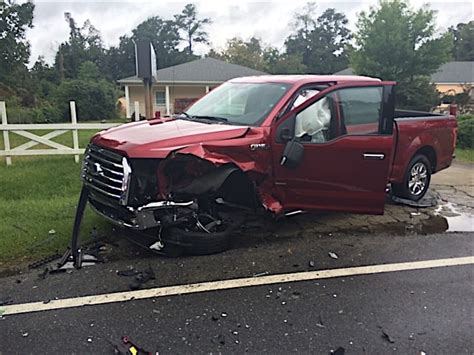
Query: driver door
[(347, 141)]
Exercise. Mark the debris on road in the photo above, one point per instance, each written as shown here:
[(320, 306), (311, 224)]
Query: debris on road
[(24, 335), (431, 199), (320, 324), (387, 336), (223, 315), (142, 278), (128, 272), (333, 255), (125, 346), (311, 263), (261, 274)]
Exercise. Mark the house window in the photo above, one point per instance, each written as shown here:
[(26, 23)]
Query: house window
[(160, 98)]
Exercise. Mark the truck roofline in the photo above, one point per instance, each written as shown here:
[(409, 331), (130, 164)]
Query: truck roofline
[(303, 79)]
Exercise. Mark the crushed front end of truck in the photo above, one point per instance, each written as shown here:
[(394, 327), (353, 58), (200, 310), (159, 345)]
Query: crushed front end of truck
[(199, 191)]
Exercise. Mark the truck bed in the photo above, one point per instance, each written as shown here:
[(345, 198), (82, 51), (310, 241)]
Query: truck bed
[(416, 114), (415, 132)]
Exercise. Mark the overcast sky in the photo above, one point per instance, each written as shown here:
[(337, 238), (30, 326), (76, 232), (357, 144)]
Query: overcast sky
[(269, 20)]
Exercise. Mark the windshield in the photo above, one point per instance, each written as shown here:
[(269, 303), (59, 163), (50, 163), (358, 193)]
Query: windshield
[(239, 103)]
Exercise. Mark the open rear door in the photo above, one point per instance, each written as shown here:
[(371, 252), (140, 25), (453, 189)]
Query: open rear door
[(347, 155)]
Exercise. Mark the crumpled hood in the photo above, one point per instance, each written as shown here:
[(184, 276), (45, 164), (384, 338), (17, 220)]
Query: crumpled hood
[(156, 139)]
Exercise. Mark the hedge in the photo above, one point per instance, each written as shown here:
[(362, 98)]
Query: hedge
[(466, 132)]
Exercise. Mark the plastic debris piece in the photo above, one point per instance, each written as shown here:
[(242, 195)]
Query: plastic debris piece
[(24, 335), (52, 231), (333, 255), (261, 274), (142, 278), (157, 246), (429, 200), (311, 263), (223, 314), (89, 340)]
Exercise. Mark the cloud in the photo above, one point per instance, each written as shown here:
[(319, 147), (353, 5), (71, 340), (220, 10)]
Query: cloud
[(269, 20)]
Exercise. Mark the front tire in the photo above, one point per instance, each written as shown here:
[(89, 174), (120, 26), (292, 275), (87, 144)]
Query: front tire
[(416, 180)]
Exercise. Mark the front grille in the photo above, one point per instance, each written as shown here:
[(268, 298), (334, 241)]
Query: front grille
[(106, 172)]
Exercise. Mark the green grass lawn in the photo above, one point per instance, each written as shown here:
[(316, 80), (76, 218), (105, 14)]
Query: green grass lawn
[(465, 155), (37, 196)]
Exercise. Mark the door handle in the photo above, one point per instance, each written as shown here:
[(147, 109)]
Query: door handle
[(374, 156)]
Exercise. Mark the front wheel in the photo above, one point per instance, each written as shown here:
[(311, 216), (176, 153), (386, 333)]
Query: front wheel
[(416, 180)]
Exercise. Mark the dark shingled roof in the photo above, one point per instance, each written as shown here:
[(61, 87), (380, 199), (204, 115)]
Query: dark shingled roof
[(205, 70), (451, 72), (454, 72)]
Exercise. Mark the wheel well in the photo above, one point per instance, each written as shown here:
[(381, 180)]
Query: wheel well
[(430, 153)]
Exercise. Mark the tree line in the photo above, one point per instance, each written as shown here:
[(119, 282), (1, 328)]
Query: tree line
[(392, 41)]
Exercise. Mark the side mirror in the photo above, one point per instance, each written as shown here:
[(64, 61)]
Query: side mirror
[(292, 155)]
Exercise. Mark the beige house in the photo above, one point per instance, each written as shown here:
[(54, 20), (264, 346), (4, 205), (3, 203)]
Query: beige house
[(179, 86)]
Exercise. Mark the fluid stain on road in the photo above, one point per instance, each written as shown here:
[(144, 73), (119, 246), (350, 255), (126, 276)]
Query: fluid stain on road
[(458, 219)]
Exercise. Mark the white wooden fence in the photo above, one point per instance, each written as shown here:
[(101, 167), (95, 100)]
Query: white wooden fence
[(56, 129)]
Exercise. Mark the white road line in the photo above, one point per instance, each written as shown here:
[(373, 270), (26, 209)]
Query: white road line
[(230, 284)]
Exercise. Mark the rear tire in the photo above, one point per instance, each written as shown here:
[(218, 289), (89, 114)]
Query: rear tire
[(416, 180)]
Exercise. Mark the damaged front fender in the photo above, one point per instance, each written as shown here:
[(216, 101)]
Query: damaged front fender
[(249, 155)]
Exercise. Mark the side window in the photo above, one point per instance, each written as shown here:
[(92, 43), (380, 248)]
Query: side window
[(315, 124), (360, 109), (303, 96)]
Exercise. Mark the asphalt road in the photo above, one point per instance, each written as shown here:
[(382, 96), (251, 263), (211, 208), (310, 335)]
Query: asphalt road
[(427, 310)]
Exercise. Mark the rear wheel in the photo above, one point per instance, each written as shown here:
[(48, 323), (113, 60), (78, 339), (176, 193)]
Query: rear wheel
[(416, 180)]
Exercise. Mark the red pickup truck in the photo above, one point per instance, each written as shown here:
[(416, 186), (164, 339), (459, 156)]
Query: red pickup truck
[(281, 144)]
